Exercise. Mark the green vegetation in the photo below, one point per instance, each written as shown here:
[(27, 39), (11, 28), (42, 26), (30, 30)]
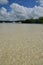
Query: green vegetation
[(40, 20)]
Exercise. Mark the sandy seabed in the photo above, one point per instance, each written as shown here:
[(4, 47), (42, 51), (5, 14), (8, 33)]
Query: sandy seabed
[(21, 44)]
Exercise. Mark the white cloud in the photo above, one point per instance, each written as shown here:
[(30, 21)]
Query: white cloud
[(40, 2), (3, 1), (37, 12), (19, 12), (4, 15)]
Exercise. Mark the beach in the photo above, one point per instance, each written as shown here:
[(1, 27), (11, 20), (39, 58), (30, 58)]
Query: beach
[(21, 44)]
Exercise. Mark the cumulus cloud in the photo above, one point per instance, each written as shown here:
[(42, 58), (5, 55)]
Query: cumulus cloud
[(37, 12), (19, 12), (4, 15), (40, 2), (3, 1)]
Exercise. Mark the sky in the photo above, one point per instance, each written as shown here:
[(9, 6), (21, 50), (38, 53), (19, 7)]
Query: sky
[(20, 9)]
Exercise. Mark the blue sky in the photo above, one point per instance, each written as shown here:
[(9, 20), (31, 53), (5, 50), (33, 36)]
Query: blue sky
[(26, 3), (20, 9)]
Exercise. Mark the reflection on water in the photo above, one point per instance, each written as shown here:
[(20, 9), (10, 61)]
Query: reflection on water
[(21, 44)]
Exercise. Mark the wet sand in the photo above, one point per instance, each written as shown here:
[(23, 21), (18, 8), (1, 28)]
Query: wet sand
[(21, 44)]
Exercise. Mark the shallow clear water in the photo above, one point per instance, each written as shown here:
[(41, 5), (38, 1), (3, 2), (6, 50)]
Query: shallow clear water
[(21, 44)]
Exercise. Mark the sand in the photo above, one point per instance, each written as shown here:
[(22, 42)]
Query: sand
[(21, 44)]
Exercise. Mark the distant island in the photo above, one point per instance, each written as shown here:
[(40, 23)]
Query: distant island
[(37, 21)]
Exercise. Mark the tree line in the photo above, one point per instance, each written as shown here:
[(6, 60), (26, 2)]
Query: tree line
[(39, 20)]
